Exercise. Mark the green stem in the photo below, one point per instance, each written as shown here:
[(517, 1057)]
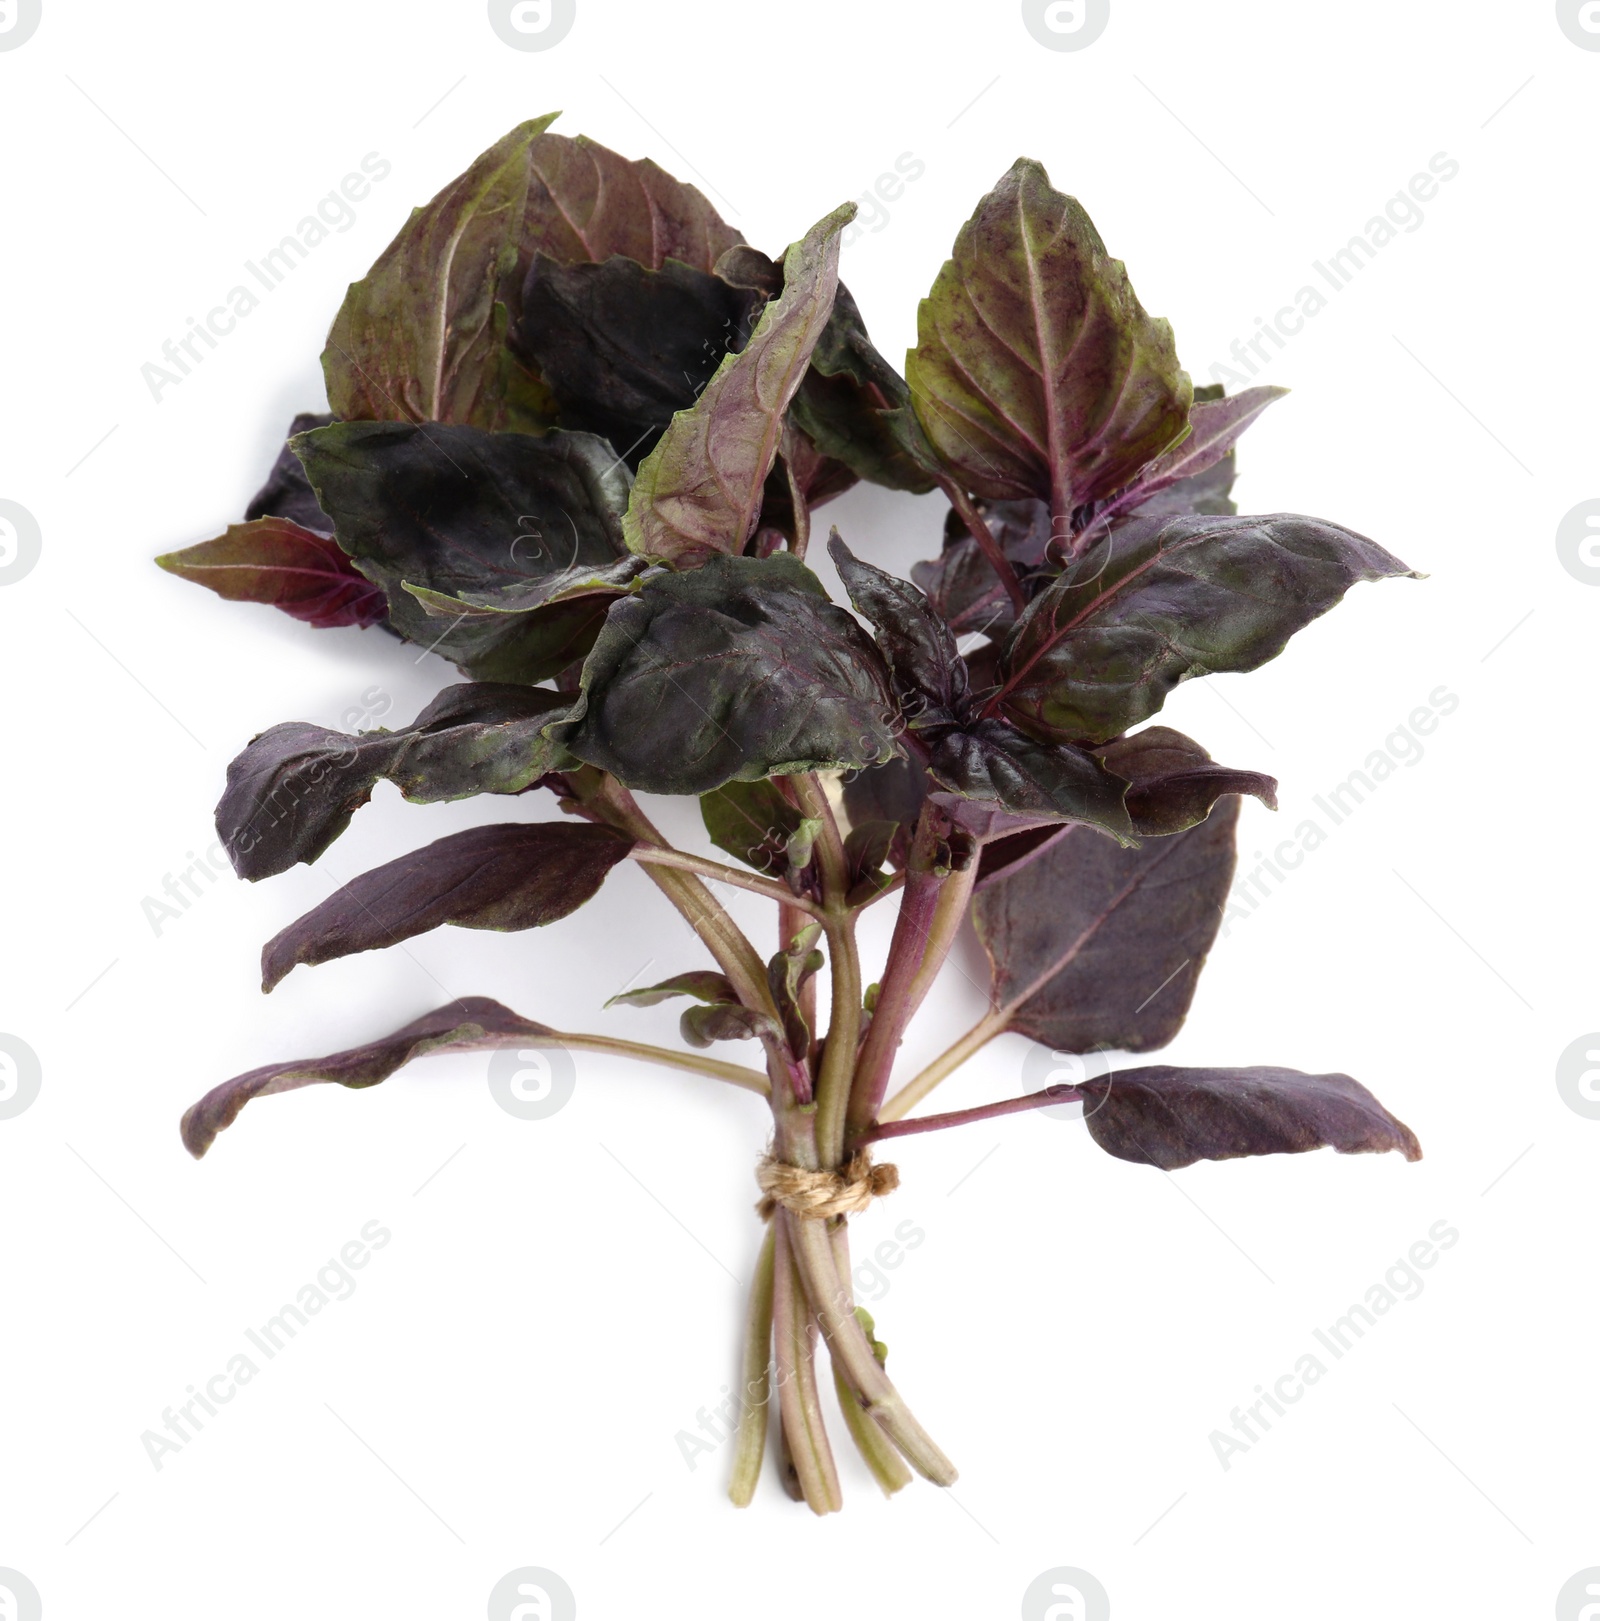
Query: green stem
[(723, 938), (755, 1388), (752, 1080), (852, 1353), (886, 1465), (844, 963), (653, 856), (799, 1406)]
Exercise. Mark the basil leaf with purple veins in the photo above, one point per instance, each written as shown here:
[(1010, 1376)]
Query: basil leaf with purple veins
[(277, 562), (1037, 371), (1214, 429), (1159, 600), (292, 792), (699, 492), (930, 676), (991, 760), (1096, 947), (738, 670), (1173, 782), (457, 512), (507, 877), (467, 1025), (1170, 1118)]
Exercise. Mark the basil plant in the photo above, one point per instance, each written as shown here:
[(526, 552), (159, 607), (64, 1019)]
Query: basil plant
[(578, 432)]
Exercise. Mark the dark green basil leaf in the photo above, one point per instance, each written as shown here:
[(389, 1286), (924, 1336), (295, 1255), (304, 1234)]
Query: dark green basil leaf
[(738, 670), (1159, 600), (853, 406), (517, 875), (930, 678), (990, 760), (623, 348), (753, 822), (292, 792), (453, 511)]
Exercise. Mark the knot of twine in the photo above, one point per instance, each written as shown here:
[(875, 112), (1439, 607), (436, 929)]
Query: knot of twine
[(816, 1195)]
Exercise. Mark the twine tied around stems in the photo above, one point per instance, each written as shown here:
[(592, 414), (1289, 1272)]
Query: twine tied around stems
[(817, 1195)]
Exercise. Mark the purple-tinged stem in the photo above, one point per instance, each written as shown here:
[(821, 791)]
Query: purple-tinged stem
[(932, 910), (981, 533), (968, 1117)]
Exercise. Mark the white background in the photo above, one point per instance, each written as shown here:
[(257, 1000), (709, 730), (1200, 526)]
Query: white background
[(506, 1386)]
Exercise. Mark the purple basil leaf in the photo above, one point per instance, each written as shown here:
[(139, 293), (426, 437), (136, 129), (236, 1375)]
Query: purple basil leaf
[(623, 348), (1170, 1117), (700, 983), (930, 679), (292, 792), (1173, 782), (740, 669), (1215, 427), (1093, 946), (892, 792), (507, 877), (990, 760), (1159, 600), (287, 492), (276, 561), (1207, 494), (868, 848), (853, 406), (1037, 372), (699, 492), (470, 1024), (453, 510), (422, 337)]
